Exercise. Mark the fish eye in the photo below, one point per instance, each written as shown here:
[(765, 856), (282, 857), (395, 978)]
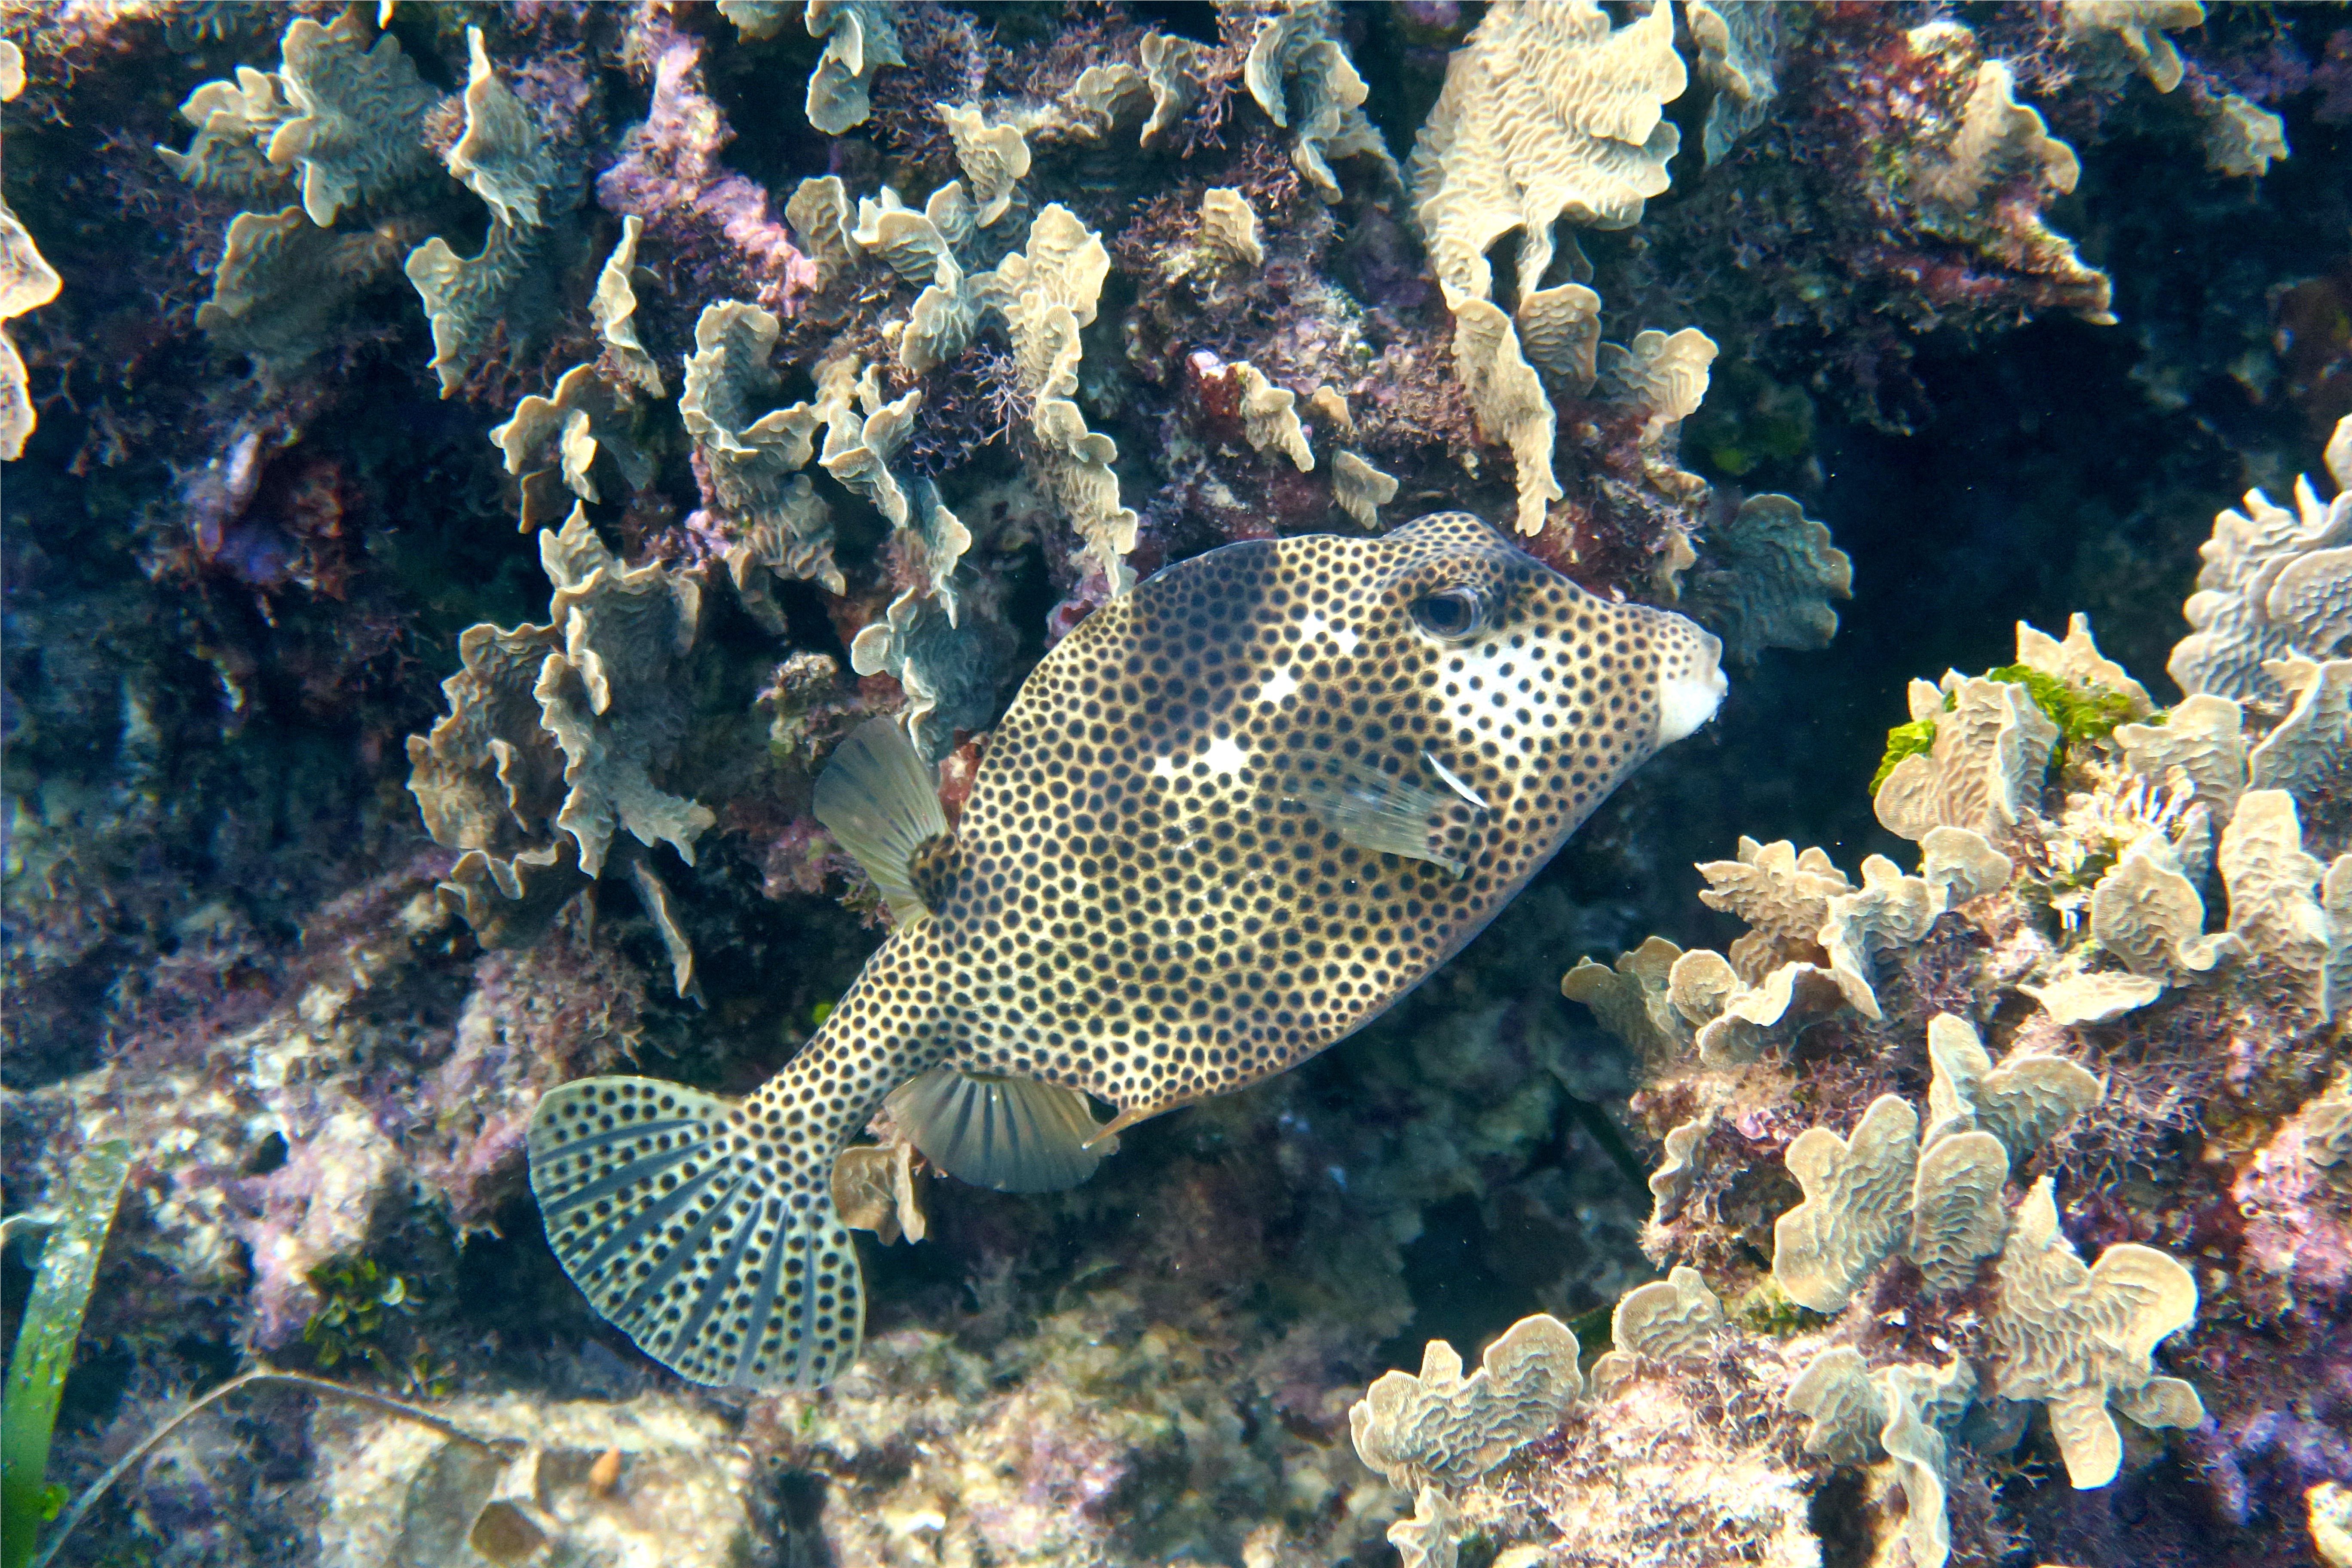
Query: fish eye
[(1451, 614)]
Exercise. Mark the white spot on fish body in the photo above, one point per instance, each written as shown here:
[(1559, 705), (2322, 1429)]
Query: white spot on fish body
[(1311, 624), (1163, 768), (1278, 685), (1346, 640), (1225, 755), (1491, 684)]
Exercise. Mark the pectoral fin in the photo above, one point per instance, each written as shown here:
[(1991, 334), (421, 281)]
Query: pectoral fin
[(1387, 813), (877, 797)]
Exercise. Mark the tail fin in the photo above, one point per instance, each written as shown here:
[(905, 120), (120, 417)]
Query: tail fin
[(678, 1227)]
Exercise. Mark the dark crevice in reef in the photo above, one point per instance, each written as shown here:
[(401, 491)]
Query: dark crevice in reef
[(1456, 1294)]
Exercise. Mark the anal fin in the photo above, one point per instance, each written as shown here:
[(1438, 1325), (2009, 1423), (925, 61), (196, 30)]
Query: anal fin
[(877, 797), (679, 1228), (1012, 1134)]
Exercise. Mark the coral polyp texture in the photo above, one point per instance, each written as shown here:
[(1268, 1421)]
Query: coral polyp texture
[(470, 469)]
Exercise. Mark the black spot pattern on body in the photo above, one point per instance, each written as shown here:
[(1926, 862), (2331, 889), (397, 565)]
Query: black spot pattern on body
[(1135, 915), (931, 871)]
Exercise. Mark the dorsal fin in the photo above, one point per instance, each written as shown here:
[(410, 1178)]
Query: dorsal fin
[(877, 799), (1014, 1134)]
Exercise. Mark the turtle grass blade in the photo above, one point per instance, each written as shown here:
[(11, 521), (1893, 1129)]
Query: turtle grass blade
[(45, 1344)]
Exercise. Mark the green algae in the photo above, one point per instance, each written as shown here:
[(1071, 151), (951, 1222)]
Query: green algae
[(1903, 740), (2082, 713)]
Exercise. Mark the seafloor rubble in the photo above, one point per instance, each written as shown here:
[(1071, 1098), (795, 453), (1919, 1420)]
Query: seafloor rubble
[(471, 463)]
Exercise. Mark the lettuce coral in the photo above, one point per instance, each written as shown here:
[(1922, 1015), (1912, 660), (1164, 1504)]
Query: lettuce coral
[(2275, 583), (1545, 112), (859, 39), (553, 739), (27, 282), (1739, 43), (562, 435), (1293, 53), (283, 281), (1440, 1425), (1767, 580), (354, 129), (1994, 143), (747, 458), (502, 158)]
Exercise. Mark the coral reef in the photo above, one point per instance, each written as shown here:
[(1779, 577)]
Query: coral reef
[(836, 359), (1903, 1219)]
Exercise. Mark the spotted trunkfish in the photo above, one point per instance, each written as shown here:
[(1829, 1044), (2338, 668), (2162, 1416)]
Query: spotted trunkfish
[(1228, 820)]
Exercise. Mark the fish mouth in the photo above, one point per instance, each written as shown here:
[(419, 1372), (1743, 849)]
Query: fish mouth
[(1691, 682)]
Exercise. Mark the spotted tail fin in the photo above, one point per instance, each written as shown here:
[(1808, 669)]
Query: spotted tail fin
[(673, 1225)]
